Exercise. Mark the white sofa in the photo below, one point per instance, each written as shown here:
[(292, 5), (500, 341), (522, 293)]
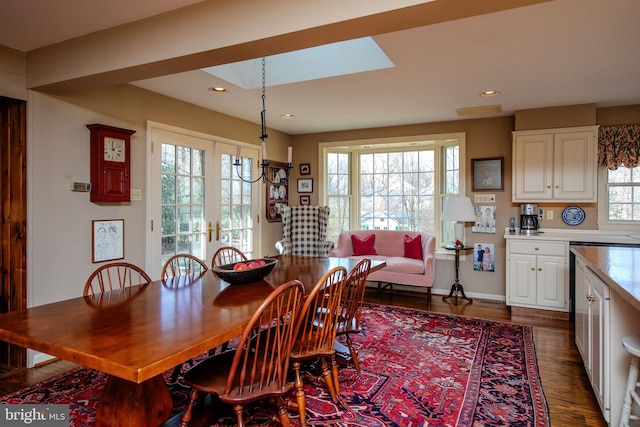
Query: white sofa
[(390, 247)]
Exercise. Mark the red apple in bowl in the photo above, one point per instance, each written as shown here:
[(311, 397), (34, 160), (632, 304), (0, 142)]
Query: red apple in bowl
[(240, 266)]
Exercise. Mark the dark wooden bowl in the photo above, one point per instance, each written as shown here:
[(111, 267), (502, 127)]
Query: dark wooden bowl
[(240, 277)]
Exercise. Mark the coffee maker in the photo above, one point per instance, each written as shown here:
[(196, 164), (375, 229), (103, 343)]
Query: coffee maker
[(529, 223)]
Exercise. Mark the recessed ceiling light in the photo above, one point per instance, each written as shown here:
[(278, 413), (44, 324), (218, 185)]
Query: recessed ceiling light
[(488, 93), (217, 89), (287, 116)]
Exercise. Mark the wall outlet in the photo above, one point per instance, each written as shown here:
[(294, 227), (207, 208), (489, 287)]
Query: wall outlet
[(549, 214)]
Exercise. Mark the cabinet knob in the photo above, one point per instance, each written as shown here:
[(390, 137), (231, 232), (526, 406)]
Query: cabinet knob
[(536, 248), (548, 186), (557, 186), (539, 268), (533, 269)]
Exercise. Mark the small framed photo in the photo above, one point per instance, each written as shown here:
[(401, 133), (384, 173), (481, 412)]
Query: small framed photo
[(488, 174), (107, 239), (305, 185), (305, 169), (305, 200)]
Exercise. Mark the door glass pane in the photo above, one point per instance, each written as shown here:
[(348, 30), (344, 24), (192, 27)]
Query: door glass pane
[(183, 201), (236, 212)]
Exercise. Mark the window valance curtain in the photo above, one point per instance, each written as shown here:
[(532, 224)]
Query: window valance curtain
[(619, 145)]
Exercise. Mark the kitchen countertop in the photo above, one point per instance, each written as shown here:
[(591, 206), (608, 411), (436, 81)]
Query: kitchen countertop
[(618, 267), (568, 235)]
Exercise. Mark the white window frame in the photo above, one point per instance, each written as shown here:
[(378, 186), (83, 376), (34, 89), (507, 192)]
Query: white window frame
[(409, 143), (603, 207)]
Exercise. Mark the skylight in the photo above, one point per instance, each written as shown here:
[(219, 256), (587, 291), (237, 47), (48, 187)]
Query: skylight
[(335, 59)]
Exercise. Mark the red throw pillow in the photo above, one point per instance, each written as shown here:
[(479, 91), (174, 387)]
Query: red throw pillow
[(364, 246), (413, 246)]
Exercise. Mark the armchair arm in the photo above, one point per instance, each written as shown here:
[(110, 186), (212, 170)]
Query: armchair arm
[(284, 246), (325, 247)]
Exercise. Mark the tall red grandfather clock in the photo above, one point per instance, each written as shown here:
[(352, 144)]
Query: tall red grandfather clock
[(110, 163)]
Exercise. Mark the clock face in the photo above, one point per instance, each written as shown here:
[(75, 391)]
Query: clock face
[(114, 149)]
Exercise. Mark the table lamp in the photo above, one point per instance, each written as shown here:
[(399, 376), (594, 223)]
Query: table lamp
[(461, 210)]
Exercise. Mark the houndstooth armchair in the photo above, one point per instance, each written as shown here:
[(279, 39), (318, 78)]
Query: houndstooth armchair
[(304, 231)]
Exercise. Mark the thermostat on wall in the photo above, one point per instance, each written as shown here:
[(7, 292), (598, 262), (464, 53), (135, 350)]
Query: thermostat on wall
[(83, 187)]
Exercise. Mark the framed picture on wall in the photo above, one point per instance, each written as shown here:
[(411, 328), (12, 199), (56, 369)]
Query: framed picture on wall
[(305, 169), (305, 200), (488, 174), (107, 238), (305, 185)]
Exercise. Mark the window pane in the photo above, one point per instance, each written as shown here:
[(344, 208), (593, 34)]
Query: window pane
[(184, 160), (168, 158), (338, 190), (623, 188), (396, 190)]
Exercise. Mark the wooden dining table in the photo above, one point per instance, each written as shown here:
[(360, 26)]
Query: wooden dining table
[(136, 334)]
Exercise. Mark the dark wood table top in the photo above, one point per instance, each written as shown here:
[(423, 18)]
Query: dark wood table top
[(138, 333)]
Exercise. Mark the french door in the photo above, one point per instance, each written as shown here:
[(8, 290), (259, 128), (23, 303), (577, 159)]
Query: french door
[(197, 201)]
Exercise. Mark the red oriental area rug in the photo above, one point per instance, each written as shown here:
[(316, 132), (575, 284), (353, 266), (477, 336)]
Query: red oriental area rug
[(418, 369)]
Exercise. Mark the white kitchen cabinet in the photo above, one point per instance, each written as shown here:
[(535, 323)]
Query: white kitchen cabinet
[(557, 165), (592, 331), (537, 274)]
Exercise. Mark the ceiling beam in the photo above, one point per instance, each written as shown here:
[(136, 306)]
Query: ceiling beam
[(214, 33)]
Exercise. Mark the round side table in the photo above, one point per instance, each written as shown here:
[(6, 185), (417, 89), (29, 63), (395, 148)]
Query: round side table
[(456, 288)]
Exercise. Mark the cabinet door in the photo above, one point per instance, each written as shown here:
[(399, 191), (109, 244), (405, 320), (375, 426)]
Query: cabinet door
[(521, 280), (582, 315), (532, 167), (551, 282), (599, 324), (574, 166)]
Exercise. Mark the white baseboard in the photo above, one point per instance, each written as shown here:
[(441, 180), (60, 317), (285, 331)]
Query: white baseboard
[(441, 292), (34, 358)]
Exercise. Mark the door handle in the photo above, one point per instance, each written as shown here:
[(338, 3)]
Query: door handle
[(209, 230), (217, 231)]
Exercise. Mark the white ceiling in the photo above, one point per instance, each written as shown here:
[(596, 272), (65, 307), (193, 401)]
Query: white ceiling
[(557, 53)]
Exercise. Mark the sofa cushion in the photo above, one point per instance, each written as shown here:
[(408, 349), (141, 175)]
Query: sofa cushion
[(364, 246), (400, 264), (413, 246)]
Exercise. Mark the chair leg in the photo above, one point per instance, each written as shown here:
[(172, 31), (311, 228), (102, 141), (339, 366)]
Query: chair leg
[(429, 297), (238, 409), (334, 372), (186, 416), (176, 373), (300, 398), (354, 354), (627, 403), (283, 415), (327, 374)]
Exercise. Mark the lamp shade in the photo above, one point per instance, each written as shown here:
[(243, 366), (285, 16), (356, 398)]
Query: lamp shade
[(458, 209)]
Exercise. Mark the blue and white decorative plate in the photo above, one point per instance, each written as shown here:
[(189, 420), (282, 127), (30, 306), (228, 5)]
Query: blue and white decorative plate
[(573, 215)]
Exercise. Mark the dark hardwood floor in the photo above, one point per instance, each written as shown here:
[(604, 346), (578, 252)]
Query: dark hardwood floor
[(566, 386)]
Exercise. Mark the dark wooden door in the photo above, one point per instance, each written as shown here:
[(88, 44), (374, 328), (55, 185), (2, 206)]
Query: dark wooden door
[(13, 187)]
